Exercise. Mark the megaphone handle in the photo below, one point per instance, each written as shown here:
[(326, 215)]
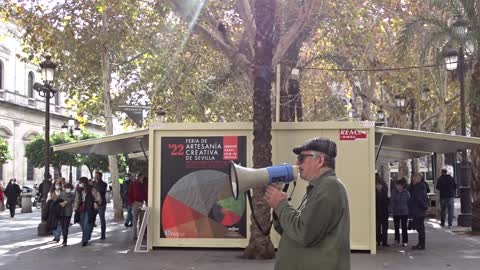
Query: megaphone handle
[(249, 195)]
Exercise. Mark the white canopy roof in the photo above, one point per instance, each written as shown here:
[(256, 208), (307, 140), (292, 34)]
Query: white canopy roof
[(124, 143), (394, 144), (400, 144)]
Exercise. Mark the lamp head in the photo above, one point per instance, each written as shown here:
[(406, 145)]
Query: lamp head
[(48, 70)]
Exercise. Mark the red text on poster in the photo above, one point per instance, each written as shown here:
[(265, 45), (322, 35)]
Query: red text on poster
[(230, 148)]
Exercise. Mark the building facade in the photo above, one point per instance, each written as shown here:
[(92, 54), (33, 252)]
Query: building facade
[(22, 113)]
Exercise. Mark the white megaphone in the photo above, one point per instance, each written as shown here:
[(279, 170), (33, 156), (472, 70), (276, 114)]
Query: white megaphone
[(243, 179)]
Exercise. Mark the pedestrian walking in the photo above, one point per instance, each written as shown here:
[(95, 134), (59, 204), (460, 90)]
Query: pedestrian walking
[(87, 199), (67, 197), (381, 207), (399, 206), (447, 186), (417, 206), (12, 192), (101, 187), (137, 196), (52, 213)]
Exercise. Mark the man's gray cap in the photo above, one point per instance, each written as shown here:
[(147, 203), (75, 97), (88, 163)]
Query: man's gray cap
[(322, 145)]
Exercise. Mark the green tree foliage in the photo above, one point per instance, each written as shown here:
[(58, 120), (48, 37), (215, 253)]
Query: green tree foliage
[(93, 162), (4, 153), (437, 28), (34, 152), (96, 162)]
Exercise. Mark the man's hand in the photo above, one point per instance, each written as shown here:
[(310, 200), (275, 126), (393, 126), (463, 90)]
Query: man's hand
[(273, 196)]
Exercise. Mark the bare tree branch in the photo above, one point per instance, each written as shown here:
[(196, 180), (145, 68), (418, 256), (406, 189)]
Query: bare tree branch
[(304, 14), (452, 99), (213, 37), (248, 36)]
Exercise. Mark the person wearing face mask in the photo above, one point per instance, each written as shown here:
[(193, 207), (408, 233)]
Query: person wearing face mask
[(53, 212), (87, 199), (12, 192), (66, 198), (316, 235)]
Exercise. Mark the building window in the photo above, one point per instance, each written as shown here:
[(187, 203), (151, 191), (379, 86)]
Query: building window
[(79, 172), (30, 171), (1, 74), (31, 81)]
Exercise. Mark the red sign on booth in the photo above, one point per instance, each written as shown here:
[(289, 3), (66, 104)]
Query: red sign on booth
[(352, 134), (230, 148)]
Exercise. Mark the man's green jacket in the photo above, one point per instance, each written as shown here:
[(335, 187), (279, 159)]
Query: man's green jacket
[(317, 234)]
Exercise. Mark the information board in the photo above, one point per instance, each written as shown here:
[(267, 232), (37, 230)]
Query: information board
[(196, 198)]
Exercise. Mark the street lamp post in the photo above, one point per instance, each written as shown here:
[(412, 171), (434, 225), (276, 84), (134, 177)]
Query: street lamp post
[(46, 90), (74, 132), (455, 60)]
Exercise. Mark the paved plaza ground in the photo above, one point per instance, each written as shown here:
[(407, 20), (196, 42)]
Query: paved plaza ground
[(22, 249)]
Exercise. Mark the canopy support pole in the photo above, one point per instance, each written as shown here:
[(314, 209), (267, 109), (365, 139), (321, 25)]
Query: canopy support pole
[(379, 148), (143, 149)]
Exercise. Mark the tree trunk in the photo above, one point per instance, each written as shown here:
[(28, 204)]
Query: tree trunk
[(178, 110), (260, 245), (475, 154), (91, 172), (107, 78)]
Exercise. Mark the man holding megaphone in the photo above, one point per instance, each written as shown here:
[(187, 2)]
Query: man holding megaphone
[(316, 235)]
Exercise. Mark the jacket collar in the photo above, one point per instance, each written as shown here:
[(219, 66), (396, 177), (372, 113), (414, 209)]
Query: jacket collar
[(318, 180)]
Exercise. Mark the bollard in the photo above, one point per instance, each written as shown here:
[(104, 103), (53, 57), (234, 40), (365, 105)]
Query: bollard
[(26, 203)]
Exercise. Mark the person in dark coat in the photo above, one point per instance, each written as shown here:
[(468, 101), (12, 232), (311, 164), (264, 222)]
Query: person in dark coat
[(87, 199), (53, 213), (101, 188), (381, 207), (12, 192), (418, 205), (447, 186)]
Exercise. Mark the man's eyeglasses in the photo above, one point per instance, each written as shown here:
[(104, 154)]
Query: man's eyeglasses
[(301, 158)]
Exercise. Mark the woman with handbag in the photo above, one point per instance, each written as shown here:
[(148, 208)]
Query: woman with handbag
[(86, 200)]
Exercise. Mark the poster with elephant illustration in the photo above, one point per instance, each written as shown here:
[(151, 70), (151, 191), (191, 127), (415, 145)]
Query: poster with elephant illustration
[(196, 198)]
